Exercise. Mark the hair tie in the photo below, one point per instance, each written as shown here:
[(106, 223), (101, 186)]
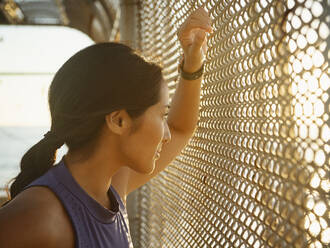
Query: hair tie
[(50, 136)]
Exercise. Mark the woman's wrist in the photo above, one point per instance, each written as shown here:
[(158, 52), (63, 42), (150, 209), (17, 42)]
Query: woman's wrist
[(190, 64), (191, 73)]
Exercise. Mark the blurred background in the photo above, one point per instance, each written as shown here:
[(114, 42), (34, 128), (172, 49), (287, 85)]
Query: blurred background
[(36, 38), (30, 55)]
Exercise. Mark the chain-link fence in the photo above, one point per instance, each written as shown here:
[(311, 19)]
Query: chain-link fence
[(256, 171)]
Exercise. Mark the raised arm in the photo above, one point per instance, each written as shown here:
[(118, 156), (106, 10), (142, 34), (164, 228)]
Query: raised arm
[(184, 111)]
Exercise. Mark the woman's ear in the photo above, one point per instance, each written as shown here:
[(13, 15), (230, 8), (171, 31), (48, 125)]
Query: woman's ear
[(118, 121)]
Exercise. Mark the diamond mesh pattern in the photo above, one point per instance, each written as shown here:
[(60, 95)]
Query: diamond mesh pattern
[(256, 171)]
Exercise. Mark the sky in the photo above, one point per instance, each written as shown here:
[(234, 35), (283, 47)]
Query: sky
[(29, 57)]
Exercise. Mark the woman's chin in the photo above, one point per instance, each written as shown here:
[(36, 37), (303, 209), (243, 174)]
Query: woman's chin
[(143, 169), (151, 169)]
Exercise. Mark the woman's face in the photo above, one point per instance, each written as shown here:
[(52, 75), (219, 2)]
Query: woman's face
[(143, 145)]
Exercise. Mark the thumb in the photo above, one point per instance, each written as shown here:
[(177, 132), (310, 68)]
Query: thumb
[(198, 41)]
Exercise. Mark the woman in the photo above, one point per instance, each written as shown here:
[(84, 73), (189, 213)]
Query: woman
[(109, 106)]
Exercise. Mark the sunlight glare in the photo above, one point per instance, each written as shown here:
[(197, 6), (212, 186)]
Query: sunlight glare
[(311, 36), (320, 208), (315, 181), (315, 228), (325, 236), (318, 59), (317, 9), (301, 41), (320, 158), (30, 55)]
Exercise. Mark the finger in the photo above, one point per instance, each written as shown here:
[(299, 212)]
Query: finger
[(187, 27), (198, 41), (199, 17), (202, 13)]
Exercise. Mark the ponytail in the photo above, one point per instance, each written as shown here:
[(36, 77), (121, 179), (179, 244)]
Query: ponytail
[(36, 162)]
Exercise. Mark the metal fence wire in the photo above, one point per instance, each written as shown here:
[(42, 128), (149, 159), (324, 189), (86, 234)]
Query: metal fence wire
[(256, 171)]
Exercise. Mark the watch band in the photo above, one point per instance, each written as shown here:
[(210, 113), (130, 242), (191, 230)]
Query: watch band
[(190, 76)]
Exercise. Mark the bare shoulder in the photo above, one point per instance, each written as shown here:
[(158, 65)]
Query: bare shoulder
[(35, 218)]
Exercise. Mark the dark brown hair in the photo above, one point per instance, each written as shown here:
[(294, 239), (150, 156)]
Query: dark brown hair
[(97, 80)]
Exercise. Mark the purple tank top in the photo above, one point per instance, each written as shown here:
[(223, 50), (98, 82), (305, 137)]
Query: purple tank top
[(94, 225)]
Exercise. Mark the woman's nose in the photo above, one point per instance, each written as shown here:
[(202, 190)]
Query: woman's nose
[(167, 135)]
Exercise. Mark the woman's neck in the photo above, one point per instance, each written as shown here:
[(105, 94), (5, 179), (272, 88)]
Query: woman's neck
[(93, 175)]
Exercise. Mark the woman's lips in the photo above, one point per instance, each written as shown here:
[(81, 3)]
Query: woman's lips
[(157, 154)]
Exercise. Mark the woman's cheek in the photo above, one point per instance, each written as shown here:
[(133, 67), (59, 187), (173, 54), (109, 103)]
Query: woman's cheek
[(156, 130)]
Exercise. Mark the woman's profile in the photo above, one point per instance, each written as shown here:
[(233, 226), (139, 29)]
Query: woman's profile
[(109, 106)]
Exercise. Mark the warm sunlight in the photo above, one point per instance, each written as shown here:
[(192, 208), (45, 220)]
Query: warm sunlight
[(30, 55), (310, 83), (23, 100)]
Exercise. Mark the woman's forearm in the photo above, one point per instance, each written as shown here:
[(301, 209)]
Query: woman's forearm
[(184, 110)]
